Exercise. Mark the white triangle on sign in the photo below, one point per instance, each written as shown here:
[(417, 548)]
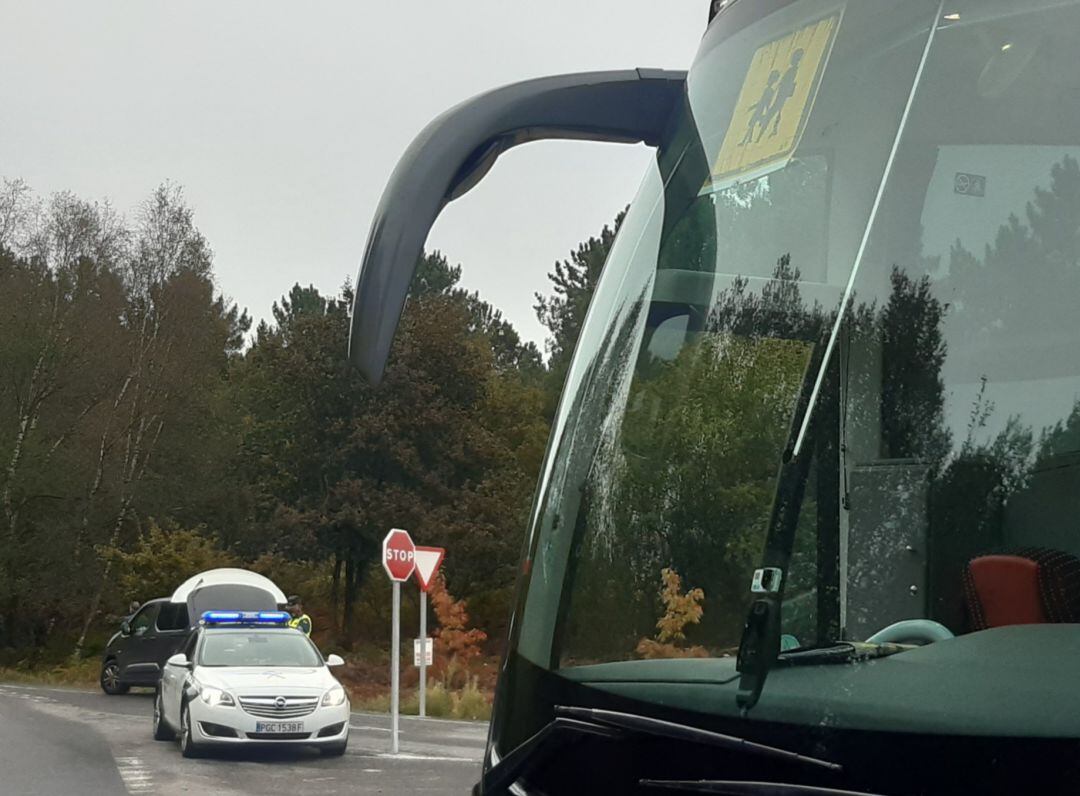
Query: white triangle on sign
[(427, 561)]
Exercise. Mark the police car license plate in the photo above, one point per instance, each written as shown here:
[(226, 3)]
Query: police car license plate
[(279, 726)]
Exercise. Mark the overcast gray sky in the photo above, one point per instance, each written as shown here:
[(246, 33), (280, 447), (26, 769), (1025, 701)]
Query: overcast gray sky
[(283, 120)]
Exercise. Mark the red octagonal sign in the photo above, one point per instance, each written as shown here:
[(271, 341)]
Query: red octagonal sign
[(398, 555)]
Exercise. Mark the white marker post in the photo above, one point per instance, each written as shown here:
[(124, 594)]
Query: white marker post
[(423, 654), (428, 560), (398, 560), (395, 660)]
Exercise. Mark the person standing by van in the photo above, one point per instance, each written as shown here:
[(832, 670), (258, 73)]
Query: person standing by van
[(299, 619)]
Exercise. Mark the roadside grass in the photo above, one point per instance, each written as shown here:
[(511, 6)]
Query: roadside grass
[(471, 703), (82, 674), (468, 703)]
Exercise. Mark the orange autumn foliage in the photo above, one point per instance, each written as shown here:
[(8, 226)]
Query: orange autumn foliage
[(457, 645), (680, 610)]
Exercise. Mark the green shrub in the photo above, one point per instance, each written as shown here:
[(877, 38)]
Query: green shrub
[(470, 703), (376, 704), (440, 703), (163, 557)]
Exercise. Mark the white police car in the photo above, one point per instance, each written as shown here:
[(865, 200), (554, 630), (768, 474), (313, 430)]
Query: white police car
[(246, 677)]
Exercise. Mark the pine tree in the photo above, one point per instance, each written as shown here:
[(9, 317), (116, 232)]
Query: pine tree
[(563, 314)]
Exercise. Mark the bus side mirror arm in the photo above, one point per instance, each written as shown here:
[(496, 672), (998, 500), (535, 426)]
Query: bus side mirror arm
[(456, 150)]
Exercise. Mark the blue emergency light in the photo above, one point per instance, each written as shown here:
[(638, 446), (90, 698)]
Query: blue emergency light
[(245, 618)]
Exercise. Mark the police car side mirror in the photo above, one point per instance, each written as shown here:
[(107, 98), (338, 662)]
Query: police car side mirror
[(179, 659), (335, 660), (125, 628), (456, 150)]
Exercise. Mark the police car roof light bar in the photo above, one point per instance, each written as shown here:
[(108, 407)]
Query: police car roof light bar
[(277, 618)]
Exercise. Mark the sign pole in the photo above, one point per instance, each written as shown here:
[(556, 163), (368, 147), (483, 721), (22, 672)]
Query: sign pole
[(395, 659), (399, 561), (427, 561), (423, 654)]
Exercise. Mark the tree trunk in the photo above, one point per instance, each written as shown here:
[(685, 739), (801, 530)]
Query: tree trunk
[(138, 460), (42, 384), (27, 423), (350, 576), (335, 585), (95, 602), (12, 468), (99, 469)]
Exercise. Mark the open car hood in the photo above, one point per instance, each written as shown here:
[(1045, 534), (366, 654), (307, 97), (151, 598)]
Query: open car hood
[(228, 590)]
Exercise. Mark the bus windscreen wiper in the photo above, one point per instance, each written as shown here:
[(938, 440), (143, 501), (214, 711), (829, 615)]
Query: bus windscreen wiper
[(648, 725), (737, 788), (554, 735), (759, 646), (574, 723)]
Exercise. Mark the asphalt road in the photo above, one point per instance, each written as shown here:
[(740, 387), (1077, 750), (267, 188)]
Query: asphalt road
[(55, 742)]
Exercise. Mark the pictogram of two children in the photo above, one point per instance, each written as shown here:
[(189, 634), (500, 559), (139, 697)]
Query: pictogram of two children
[(768, 109)]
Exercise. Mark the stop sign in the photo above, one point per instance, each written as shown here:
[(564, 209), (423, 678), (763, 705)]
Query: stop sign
[(398, 555)]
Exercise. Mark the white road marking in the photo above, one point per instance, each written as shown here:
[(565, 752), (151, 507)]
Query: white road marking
[(368, 729), (407, 756), (137, 778)]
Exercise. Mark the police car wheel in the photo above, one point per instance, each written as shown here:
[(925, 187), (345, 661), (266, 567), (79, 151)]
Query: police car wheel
[(188, 747), (162, 730), (336, 750), (110, 680)]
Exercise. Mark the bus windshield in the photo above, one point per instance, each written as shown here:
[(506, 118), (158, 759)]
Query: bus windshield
[(876, 200)]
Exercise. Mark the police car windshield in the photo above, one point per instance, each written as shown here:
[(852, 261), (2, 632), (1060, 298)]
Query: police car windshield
[(257, 648)]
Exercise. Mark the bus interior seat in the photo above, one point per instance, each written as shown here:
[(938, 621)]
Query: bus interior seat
[(1031, 586), (1002, 590), (1059, 583)]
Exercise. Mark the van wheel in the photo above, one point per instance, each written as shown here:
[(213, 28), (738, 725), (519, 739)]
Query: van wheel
[(162, 730), (110, 679)]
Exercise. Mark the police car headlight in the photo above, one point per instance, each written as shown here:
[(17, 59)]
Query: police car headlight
[(215, 697), (334, 697)]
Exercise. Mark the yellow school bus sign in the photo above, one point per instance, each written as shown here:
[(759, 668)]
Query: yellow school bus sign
[(775, 101)]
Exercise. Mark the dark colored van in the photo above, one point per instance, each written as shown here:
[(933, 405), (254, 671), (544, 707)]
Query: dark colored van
[(135, 654)]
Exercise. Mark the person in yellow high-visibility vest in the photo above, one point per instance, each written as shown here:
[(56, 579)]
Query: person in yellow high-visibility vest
[(299, 620)]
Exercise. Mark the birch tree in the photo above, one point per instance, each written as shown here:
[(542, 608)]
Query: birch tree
[(170, 260)]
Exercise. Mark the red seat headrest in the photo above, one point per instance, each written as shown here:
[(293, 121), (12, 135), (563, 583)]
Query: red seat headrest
[(1003, 590)]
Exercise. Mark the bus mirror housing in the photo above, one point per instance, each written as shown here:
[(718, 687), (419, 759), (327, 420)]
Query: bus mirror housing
[(456, 150)]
